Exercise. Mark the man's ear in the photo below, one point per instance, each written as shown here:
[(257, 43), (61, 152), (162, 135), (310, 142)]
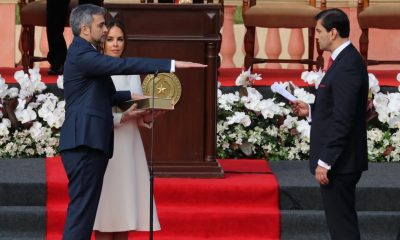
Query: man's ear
[(85, 30), (334, 33)]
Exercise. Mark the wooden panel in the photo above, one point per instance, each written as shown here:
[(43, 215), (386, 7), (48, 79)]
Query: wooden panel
[(184, 139)]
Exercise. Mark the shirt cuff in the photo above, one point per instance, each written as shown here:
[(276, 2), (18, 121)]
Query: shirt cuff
[(323, 164), (172, 66), (309, 119), (117, 116)]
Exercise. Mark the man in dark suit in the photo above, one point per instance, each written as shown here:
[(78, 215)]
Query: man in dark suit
[(56, 17), (86, 141), (338, 151)]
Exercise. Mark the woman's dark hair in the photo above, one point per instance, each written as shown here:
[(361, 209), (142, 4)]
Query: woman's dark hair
[(335, 18), (113, 22)]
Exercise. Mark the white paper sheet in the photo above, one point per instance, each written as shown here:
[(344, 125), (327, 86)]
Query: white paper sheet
[(278, 88)]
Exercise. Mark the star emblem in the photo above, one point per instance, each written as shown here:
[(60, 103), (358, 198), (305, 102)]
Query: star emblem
[(161, 89)]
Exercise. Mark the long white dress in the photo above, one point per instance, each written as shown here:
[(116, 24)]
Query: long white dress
[(124, 202)]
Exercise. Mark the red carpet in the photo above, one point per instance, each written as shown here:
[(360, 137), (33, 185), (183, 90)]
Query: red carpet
[(238, 207), (227, 76), (245, 166), (8, 75)]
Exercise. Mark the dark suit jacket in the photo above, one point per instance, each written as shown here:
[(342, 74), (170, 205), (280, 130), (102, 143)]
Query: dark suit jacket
[(339, 128), (90, 93)]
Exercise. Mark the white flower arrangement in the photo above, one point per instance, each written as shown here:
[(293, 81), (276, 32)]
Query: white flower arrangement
[(248, 125), (251, 126), (30, 119)]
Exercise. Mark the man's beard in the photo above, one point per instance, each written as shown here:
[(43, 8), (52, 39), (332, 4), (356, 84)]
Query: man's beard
[(98, 43)]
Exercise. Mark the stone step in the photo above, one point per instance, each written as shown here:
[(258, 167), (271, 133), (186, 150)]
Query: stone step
[(20, 223), (376, 191), (14, 237), (23, 200), (311, 225), (22, 182)]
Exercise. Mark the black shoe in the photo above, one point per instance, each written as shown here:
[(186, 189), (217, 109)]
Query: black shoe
[(55, 70)]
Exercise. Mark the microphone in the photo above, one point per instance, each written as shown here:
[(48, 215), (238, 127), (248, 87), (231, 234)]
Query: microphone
[(151, 159)]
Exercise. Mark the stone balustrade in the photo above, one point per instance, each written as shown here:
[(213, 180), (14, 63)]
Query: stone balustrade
[(271, 43)]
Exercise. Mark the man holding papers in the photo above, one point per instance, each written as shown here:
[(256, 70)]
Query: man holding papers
[(338, 151)]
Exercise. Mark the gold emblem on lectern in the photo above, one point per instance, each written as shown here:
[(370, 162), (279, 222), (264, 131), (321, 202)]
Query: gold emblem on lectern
[(166, 85)]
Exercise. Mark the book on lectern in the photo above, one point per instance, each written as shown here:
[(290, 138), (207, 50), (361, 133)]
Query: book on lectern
[(147, 104)]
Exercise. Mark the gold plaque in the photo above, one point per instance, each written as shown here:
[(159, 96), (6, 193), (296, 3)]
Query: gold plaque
[(166, 85)]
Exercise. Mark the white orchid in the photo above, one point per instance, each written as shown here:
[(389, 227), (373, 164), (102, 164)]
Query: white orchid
[(304, 128), (60, 81), (226, 101), (380, 103), (36, 131), (394, 103), (29, 84), (246, 78), (373, 83), (252, 99), (20, 75), (313, 77), (4, 126), (34, 74), (289, 122), (13, 92), (394, 122), (398, 79), (301, 94), (395, 140), (269, 108), (56, 117), (3, 88), (21, 104), (25, 115), (388, 107), (239, 117)]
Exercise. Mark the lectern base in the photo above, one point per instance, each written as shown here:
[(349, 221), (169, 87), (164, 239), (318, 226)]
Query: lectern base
[(188, 169)]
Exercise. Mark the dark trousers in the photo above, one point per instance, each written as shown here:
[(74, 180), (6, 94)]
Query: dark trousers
[(57, 15), (85, 168), (338, 198)]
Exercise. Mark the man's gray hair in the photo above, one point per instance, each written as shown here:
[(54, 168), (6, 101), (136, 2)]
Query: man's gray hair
[(82, 15)]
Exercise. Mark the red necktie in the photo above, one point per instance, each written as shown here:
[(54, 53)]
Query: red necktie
[(330, 62)]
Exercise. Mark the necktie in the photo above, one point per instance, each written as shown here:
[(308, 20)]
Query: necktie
[(330, 62)]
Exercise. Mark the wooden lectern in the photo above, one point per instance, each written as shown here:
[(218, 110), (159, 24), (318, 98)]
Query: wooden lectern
[(184, 139)]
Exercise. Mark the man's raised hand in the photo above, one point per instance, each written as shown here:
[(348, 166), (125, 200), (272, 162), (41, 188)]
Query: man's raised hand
[(183, 64)]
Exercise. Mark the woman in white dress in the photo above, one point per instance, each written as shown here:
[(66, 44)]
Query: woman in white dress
[(124, 202)]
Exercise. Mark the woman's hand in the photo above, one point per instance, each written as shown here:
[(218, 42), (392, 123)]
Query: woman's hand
[(132, 112), (147, 119), (144, 124)]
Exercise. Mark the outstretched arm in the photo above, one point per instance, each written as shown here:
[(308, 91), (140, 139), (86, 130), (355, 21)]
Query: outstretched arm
[(183, 64)]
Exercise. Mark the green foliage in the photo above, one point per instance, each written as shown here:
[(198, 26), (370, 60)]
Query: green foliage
[(17, 15), (237, 17)]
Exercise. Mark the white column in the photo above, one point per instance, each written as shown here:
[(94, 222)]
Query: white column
[(7, 47)]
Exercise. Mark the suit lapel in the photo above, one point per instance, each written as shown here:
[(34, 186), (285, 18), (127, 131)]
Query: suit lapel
[(337, 60), (331, 70)]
